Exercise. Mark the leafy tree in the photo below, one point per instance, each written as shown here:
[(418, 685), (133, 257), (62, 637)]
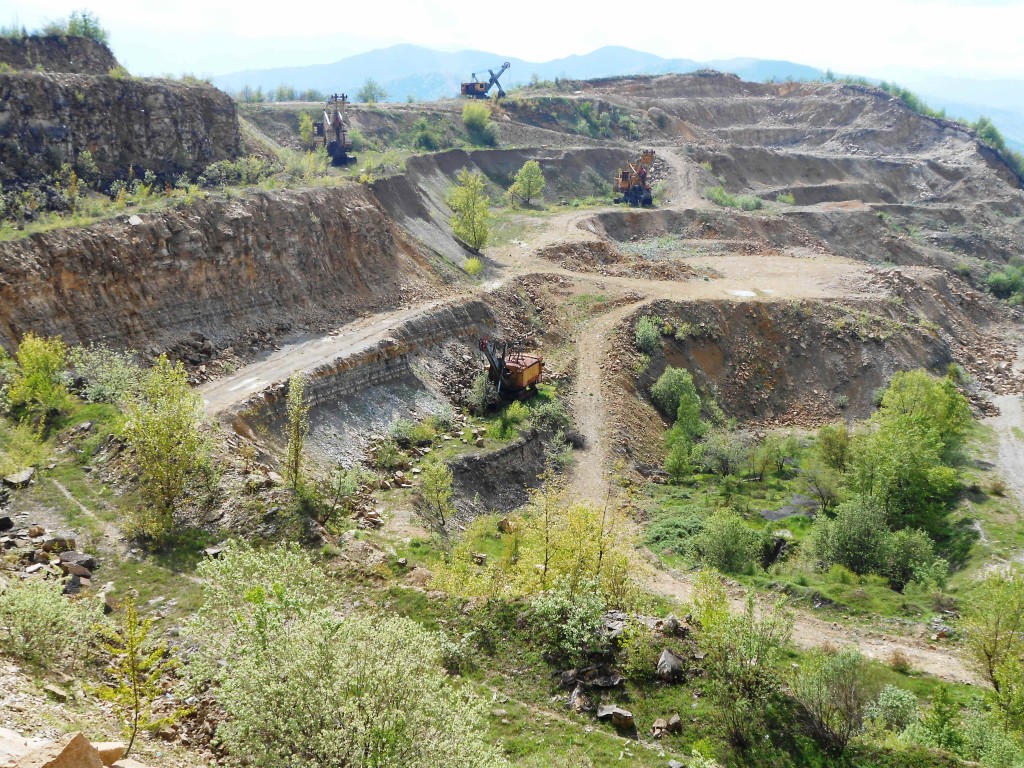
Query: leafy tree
[(577, 542), (470, 206), (833, 445), (932, 405), (437, 490), (854, 539), (371, 92), (298, 427), (675, 395), (993, 626), (37, 384), (168, 448), (823, 483), (678, 453), (899, 467), (859, 538), (135, 672), (285, 93), (306, 129), (83, 24), (364, 691), (909, 554), (741, 651), (833, 690), (723, 451), (529, 181)]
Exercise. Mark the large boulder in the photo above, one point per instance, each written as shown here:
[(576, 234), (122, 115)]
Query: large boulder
[(20, 479), (71, 751), (670, 666), (621, 718)]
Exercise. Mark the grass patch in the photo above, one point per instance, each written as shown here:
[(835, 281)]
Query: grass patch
[(719, 196)]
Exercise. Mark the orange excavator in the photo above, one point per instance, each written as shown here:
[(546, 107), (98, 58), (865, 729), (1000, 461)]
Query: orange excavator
[(478, 88), (632, 182), (515, 374)]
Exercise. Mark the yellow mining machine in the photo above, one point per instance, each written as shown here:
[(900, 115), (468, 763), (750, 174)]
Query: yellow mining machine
[(478, 88), (632, 184), (332, 132)]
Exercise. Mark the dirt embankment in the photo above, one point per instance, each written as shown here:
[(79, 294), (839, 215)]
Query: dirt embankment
[(416, 199), (163, 126), (777, 363), (57, 53), (218, 269)]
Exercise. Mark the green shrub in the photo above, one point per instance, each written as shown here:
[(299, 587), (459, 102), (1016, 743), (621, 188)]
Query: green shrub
[(38, 385), (515, 414), (674, 534), (110, 376), (786, 198), (428, 136), (638, 651), (362, 690), (895, 708), (249, 595), (412, 433), (987, 741), (41, 626), (476, 116), (567, 622), (472, 266), (719, 196), (727, 544), (483, 395), (833, 690), (648, 334), (551, 416), (741, 651), (387, 456)]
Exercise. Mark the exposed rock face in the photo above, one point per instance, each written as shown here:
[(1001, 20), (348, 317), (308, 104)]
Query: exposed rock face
[(166, 127), (53, 53), (499, 479), (220, 267)]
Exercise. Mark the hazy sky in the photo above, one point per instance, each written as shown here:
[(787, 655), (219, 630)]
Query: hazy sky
[(979, 38)]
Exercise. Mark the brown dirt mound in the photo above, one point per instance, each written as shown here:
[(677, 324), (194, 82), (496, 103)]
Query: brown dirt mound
[(603, 258)]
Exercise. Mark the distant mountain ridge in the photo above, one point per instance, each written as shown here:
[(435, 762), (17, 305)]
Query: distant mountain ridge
[(423, 74)]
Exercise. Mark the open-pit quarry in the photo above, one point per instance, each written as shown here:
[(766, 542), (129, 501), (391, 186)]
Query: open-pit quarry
[(867, 256)]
